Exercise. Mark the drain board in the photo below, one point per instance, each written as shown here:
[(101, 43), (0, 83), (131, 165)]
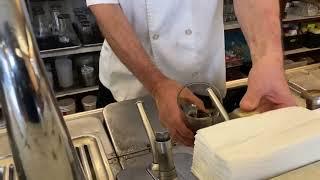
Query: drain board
[(89, 151)]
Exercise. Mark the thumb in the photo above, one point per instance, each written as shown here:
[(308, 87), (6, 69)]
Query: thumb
[(250, 100)]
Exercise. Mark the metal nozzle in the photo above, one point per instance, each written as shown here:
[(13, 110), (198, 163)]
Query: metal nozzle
[(218, 104), (312, 96), (164, 148), (151, 135)]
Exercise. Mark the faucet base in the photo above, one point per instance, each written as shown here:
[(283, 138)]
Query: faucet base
[(170, 175), (182, 160)]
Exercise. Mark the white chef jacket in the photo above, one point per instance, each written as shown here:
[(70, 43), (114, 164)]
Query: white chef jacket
[(184, 38)]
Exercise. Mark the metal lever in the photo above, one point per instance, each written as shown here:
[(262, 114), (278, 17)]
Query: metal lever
[(312, 96), (218, 105), (151, 136)]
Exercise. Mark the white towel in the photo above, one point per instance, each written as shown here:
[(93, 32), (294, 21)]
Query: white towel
[(257, 147)]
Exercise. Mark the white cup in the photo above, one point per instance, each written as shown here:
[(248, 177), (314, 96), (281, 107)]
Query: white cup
[(67, 106), (64, 71), (89, 102)]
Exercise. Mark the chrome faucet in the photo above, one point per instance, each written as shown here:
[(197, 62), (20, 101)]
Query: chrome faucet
[(40, 143), (162, 166), (312, 96)]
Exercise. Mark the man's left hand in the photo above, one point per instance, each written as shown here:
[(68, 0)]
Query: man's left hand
[(267, 88)]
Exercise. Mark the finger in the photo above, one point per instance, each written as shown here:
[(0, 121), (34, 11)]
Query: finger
[(185, 133), (184, 124), (265, 105), (250, 100), (186, 142), (286, 100), (279, 100), (183, 140), (176, 137), (179, 130), (173, 134), (284, 104), (191, 98), (195, 100)]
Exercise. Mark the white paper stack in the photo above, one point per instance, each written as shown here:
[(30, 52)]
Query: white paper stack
[(258, 147)]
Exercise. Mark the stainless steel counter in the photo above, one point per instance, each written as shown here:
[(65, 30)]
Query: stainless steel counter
[(131, 143), (84, 128), (128, 146)]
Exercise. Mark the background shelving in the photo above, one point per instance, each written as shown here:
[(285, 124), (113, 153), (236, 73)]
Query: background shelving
[(75, 91), (48, 55), (290, 18), (70, 51), (228, 26), (300, 50)]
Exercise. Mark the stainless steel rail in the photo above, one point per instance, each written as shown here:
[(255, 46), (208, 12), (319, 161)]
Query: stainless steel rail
[(40, 143), (151, 136), (218, 104)]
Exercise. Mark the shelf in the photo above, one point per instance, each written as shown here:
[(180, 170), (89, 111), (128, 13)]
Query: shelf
[(76, 91), (300, 50), (97, 47), (290, 18), (231, 25), (229, 65), (73, 92), (70, 51), (243, 82), (293, 18)]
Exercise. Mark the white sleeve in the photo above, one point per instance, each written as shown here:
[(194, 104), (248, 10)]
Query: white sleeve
[(93, 2)]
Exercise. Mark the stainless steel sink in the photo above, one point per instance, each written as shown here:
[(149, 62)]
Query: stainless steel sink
[(91, 155), (90, 140)]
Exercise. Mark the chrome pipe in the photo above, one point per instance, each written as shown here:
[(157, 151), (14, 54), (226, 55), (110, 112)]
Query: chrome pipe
[(151, 136), (40, 143), (311, 96), (218, 104)]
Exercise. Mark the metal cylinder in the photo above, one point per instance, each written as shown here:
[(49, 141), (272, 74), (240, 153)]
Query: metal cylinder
[(40, 143), (164, 148), (312, 99)]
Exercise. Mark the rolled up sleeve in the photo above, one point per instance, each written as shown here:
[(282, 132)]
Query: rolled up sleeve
[(93, 2)]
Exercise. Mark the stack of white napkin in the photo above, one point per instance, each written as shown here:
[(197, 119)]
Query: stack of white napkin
[(257, 147)]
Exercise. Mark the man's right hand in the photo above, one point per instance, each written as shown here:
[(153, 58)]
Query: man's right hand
[(171, 116)]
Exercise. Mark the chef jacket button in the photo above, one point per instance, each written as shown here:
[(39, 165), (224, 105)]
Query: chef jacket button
[(188, 32), (155, 36)]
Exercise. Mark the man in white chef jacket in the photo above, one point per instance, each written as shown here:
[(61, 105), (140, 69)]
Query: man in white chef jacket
[(157, 46)]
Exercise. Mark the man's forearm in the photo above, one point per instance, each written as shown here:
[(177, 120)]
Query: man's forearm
[(125, 44), (261, 25)]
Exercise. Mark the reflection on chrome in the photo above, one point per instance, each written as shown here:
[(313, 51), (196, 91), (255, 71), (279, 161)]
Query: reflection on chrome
[(40, 143)]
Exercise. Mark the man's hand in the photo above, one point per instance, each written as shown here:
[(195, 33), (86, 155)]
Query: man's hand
[(170, 113), (261, 26), (267, 88)]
